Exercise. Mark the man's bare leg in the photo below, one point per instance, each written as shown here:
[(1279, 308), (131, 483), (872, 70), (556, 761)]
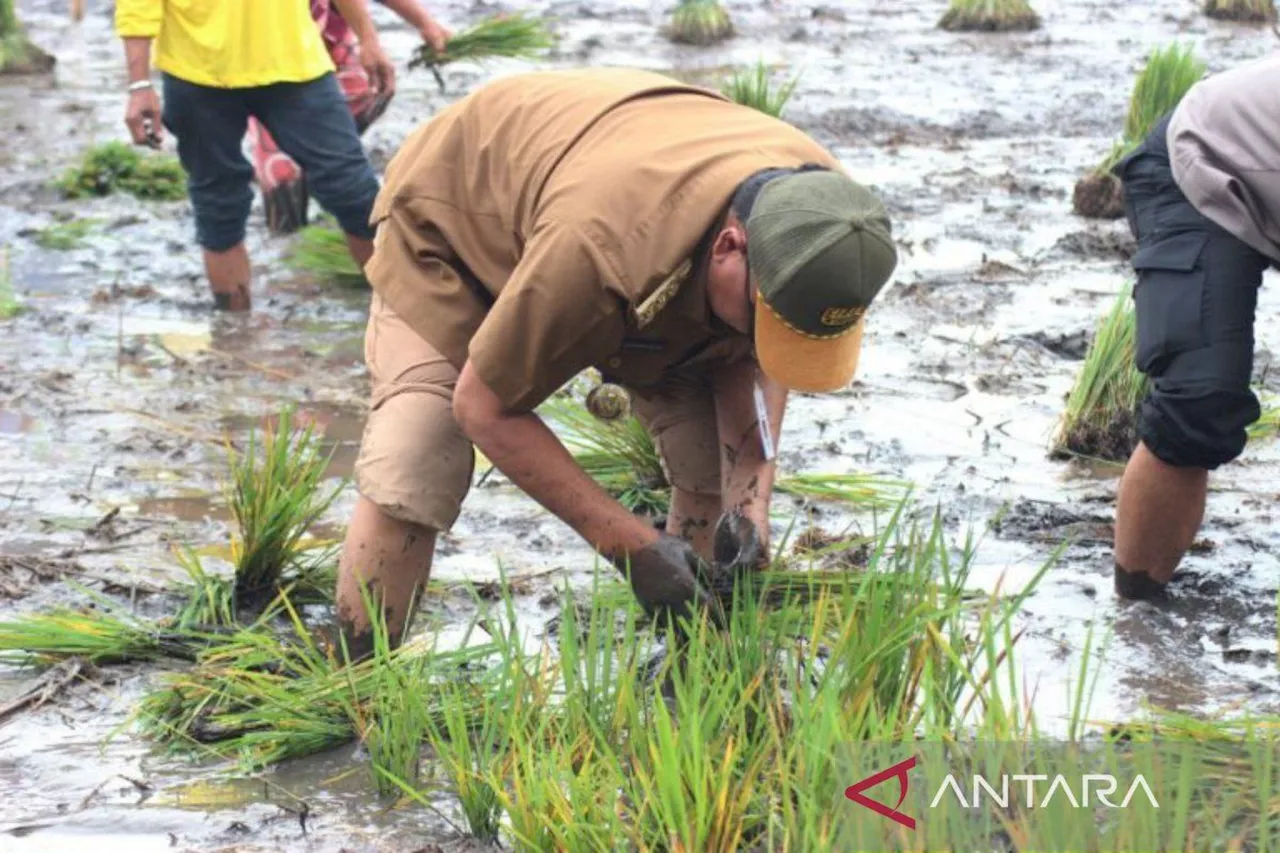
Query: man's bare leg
[(393, 559), (361, 249), (693, 517), (229, 276), (1159, 508)]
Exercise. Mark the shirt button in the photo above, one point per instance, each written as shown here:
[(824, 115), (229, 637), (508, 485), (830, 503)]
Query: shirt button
[(614, 362)]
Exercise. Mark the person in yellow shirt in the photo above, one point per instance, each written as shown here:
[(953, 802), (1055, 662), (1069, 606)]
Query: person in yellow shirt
[(225, 61)]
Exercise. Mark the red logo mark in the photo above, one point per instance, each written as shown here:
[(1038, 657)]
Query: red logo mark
[(899, 770)]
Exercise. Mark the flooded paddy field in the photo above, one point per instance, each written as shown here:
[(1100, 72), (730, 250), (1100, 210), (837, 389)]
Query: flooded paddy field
[(118, 386)]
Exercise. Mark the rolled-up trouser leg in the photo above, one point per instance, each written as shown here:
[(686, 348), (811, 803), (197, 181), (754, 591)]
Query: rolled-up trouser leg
[(1195, 298), (415, 463)]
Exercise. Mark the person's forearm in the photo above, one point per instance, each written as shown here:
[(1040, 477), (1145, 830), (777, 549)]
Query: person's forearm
[(746, 475), (356, 14), (137, 55), (529, 454), (411, 12)]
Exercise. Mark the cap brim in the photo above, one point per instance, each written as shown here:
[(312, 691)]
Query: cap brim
[(803, 363)]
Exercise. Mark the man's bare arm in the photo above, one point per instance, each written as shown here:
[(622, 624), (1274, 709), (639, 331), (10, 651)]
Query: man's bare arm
[(530, 455), (746, 475), (413, 13)]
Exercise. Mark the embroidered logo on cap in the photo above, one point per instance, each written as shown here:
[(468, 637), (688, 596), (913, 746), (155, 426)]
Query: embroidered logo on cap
[(841, 316)]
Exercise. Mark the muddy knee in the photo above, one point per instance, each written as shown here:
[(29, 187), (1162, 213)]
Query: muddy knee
[(1196, 428)]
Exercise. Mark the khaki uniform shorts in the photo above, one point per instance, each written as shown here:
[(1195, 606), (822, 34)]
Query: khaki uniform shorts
[(416, 464)]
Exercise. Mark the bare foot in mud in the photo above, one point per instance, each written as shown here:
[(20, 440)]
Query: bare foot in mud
[(1138, 586), (236, 300)]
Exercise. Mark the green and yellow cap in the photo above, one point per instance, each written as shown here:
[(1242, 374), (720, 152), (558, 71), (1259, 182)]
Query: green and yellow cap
[(820, 250)]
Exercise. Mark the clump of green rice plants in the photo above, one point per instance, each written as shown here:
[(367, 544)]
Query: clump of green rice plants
[(513, 36), (321, 250), (1101, 417), (989, 16), (1165, 79), (275, 497), (117, 167), (1247, 11), (620, 455), (17, 54), (754, 88), (259, 699), (700, 22), (103, 632), (64, 236), (10, 307)]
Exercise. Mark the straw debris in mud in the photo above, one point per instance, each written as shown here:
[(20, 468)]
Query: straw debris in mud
[(989, 16), (1167, 76), (514, 36), (275, 497), (10, 306), (17, 54), (1246, 11), (754, 88), (322, 251), (700, 22), (117, 167)]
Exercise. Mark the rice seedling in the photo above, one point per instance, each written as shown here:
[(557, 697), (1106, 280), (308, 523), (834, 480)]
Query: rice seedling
[(275, 496), (621, 457), (700, 22), (209, 598), (989, 16), (1101, 416), (10, 307), (754, 88), (104, 632), (64, 236), (17, 54), (1168, 74), (1100, 420), (117, 167), (513, 36), (1247, 11), (321, 250), (259, 699)]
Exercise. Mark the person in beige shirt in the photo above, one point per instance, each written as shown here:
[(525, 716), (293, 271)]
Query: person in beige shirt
[(1202, 194), (689, 248)]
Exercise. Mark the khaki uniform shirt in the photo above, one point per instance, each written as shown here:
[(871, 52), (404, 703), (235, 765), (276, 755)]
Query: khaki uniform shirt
[(1224, 148), (570, 204)]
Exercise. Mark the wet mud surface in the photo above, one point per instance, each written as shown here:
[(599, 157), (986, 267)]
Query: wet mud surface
[(118, 387)]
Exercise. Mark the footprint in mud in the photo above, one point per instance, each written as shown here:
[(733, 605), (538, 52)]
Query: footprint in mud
[(1106, 245), (1072, 346), (1043, 521)]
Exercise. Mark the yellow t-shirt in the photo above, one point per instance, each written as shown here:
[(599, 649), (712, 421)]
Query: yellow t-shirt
[(229, 43)]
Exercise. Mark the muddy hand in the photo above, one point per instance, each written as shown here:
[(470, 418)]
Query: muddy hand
[(664, 579), (736, 548)]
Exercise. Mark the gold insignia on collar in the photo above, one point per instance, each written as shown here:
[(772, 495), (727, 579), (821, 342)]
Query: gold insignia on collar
[(656, 301)]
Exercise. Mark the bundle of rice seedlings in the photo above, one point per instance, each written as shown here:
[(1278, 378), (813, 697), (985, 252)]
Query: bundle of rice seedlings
[(259, 699), (512, 36), (321, 250), (209, 598), (700, 22), (102, 633), (1168, 74), (621, 457), (1100, 420), (989, 16), (115, 166), (17, 54), (64, 236), (275, 496), (1248, 11), (754, 88)]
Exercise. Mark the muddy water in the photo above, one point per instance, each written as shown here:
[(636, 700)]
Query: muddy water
[(117, 386)]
